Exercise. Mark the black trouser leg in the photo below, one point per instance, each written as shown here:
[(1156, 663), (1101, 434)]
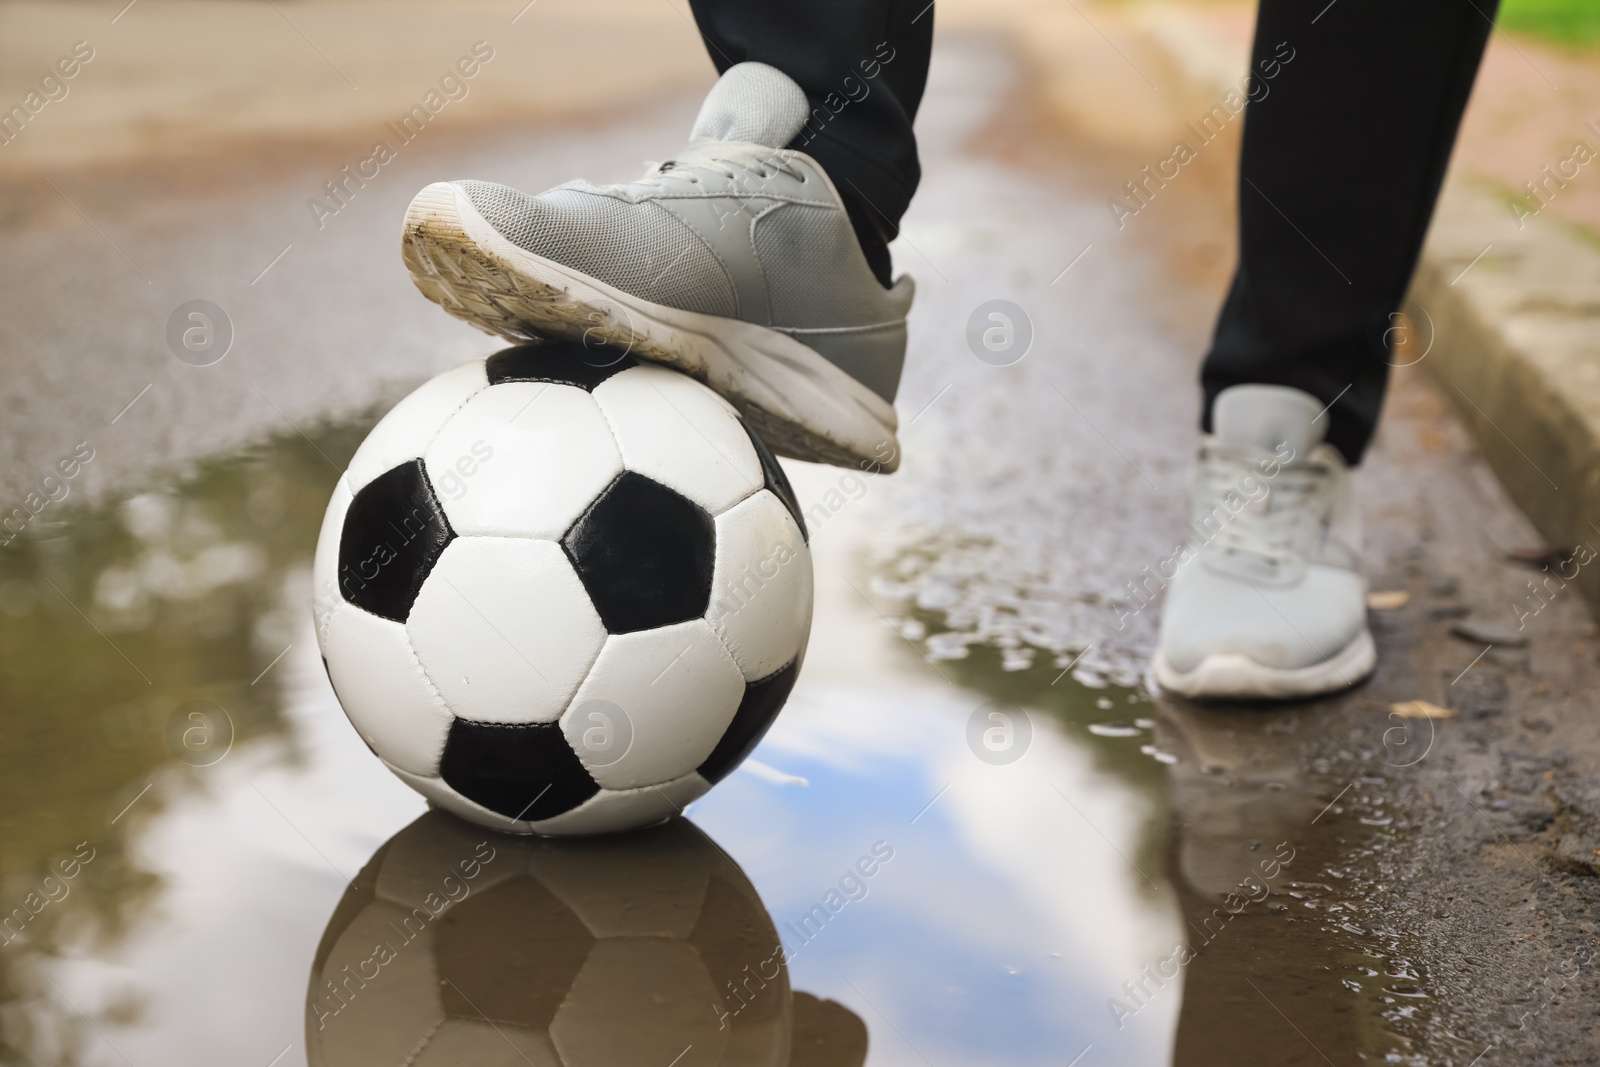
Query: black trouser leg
[(1341, 165), (863, 64)]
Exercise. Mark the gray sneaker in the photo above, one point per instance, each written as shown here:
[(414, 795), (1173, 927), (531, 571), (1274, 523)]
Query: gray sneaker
[(1270, 600), (734, 262)]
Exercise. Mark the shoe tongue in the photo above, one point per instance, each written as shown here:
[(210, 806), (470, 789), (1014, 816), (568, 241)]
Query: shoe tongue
[(752, 102), (1268, 417)]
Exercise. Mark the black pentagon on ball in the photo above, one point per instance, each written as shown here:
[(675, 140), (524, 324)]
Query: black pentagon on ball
[(645, 553), (777, 481), (523, 771), (558, 362), (761, 704), (393, 534)]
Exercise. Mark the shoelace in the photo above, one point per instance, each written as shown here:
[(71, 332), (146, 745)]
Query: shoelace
[(1283, 524), (728, 160)]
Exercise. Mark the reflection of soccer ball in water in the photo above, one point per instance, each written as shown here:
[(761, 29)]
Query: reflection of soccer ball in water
[(453, 946), (560, 596)]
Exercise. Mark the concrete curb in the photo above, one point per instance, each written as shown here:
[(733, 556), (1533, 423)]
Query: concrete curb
[(1515, 342)]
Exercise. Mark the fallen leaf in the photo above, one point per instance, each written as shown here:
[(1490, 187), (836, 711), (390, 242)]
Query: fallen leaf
[(1484, 632), (1421, 709), (1388, 599), (1542, 556)]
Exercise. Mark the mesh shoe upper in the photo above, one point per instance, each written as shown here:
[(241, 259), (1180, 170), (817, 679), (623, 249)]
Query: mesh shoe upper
[(640, 248), (725, 228), (734, 226), (801, 250)]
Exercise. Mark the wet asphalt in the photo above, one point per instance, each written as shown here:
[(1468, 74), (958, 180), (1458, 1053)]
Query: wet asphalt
[(1150, 881)]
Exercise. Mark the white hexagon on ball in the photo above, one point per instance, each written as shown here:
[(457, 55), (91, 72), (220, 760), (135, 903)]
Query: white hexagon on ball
[(654, 705), (500, 658), (761, 588), (674, 430), (385, 692), (522, 459)]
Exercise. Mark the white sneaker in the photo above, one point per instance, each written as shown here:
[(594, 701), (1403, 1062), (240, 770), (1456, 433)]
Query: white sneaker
[(734, 262), (1270, 600)]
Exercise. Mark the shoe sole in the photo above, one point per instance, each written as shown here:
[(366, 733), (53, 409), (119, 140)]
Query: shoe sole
[(803, 406), (1235, 676)]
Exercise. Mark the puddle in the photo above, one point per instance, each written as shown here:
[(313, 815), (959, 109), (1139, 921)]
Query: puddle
[(927, 861), (171, 727)]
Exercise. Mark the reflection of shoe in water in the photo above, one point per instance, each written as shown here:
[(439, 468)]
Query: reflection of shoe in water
[(454, 942), (1247, 853), (1237, 791), (1270, 602), (735, 262)]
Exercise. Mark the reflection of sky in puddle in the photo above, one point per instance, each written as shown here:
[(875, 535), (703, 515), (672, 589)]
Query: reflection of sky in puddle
[(1003, 922), (1009, 913)]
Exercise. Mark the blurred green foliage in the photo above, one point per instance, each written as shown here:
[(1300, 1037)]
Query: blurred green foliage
[(1570, 22), (112, 617)]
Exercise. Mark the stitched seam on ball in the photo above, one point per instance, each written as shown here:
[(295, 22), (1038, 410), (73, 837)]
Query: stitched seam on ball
[(587, 667), (718, 633), (721, 640), (760, 483), (773, 674), (741, 500), (715, 632), (422, 670), (439, 778), (657, 786), (726, 651), (594, 658), (760, 480), (456, 411), (422, 1043), (616, 440)]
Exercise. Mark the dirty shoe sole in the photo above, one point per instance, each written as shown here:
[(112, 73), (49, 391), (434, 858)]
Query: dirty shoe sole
[(801, 405), (1235, 676)]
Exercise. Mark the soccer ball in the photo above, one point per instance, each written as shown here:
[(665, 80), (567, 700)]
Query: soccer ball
[(456, 946), (560, 591)]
